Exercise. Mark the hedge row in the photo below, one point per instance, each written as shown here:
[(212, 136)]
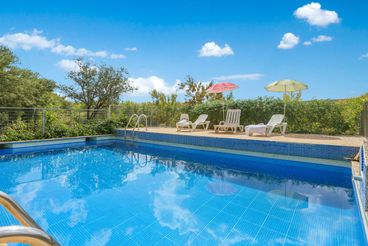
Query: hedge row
[(315, 116)]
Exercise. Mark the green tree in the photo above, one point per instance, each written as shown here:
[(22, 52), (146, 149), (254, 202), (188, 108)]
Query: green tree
[(96, 87), (21, 87), (161, 98), (196, 92)]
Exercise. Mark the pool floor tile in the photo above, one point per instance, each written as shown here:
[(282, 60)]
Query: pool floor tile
[(266, 236), (276, 224), (254, 216)]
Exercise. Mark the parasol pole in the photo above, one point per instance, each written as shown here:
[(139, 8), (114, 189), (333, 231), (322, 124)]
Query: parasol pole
[(284, 101), (223, 107)]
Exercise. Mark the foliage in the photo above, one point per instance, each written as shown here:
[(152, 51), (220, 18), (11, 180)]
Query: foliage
[(196, 92), (96, 87), (22, 87), (315, 116), (19, 130)]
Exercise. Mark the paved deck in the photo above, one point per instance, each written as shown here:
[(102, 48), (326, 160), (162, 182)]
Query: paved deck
[(354, 141)]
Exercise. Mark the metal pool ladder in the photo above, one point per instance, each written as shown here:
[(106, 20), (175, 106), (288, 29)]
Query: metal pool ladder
[(136, 125), (29, 232)]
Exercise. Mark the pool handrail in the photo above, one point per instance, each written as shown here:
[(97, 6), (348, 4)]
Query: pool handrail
[(136, 125), (26, 235), (29, 230)]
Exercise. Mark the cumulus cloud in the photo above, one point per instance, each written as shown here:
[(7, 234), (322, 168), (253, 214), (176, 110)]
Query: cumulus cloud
[(147, 84), (318, 39), (27, 41), (131, 49), (249, 76), (288, 41), (35, 40), (68, 65), (315, 16), (212, 49)]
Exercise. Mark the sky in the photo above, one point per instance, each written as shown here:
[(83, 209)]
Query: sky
[(250, 43)]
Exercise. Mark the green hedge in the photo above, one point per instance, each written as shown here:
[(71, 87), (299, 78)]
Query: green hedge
[(315, 116), (332, 117)]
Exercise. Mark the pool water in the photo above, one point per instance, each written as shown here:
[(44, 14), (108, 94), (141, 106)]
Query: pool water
[(144, 194)]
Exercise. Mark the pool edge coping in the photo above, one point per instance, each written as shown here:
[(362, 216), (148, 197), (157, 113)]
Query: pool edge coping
[(327, 162)]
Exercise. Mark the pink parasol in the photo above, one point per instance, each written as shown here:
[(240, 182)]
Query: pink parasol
[(220, 88)]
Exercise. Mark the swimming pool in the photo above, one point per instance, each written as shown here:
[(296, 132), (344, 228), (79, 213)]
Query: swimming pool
[(113, 193)]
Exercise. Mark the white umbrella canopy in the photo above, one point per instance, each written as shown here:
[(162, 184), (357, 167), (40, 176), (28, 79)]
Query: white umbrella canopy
[(285, 86)]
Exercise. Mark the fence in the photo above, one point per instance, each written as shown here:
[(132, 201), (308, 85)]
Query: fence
[(364, 121), (36, 118), (18, 123)]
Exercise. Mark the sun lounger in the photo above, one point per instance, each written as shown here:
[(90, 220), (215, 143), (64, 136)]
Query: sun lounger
[(275, 121), (201, 121), (232, 121)]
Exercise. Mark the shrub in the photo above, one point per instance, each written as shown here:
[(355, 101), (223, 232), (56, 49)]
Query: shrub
[(19, 130)]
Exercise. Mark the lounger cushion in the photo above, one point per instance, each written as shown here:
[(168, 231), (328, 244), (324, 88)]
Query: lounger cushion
[(183, 122), (261, 129)]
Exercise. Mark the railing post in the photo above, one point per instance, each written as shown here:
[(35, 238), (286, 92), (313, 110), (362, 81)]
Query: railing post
[(109, 113), (43, 123)]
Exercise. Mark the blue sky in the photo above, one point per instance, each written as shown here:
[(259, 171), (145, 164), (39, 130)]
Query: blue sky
[(325, 43)]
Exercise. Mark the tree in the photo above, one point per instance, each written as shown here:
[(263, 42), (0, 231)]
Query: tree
[(161, 98), (96, 87), (21, 87), (196, 92)]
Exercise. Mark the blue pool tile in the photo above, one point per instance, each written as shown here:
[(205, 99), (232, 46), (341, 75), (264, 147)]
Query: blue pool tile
[(184, 236), (72, 236), (206, 214), (238, 238), (218, 202), (245, 229), (254, 216), (269, 237), (165, 241), (295, 242), (129, 229), (220, 226), (6, 219), (234, 209), (276, 224), (149, 236)]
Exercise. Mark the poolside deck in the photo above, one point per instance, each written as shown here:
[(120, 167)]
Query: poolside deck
[(353, 141)]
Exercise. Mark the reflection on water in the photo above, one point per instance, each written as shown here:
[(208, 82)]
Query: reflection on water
[(221, 188), (144, 194)]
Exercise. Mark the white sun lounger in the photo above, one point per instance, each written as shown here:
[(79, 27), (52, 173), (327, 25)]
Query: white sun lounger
[(232, 121), (275, 121), (201, 121)]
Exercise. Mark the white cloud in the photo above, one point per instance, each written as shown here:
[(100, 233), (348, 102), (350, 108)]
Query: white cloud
[(146, 85), (288, 41), (318, 39), (249, 76), (212, 49), (131, 49), (322, 38), (117, 56), (27, 41), (316, 16), (68, 65), (69, 50), (35, 40), (364, 56)]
